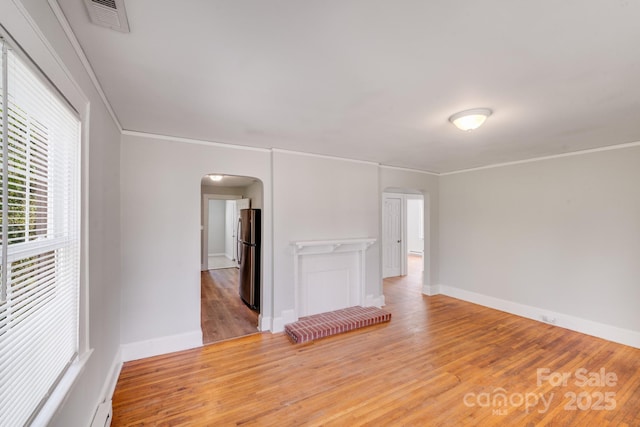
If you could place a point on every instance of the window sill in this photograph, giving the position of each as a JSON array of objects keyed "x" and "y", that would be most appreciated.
[{"x": 60, "y": 393}]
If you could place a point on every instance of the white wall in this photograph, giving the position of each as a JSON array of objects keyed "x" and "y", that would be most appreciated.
[
  {"x": 160, "y": 298},
  {"x": 217, "y": 226},
  {"x": 230, "y": 226},
  {"x": 161, "y": 252},
  {"x": 32, "y": 23},
  {"x": 560, "y": 234},
  {"x": 415, "y": 242},
  {"x": 321, "y": 198},
  {"x": 254, "y": 192},
  {"x": 222, "y": 191}
]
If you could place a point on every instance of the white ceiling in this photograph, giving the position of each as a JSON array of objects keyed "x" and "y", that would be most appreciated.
[{"x": 375, "y": 80}]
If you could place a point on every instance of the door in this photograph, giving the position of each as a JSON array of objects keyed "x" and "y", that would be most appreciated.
[{"x": 391, "y": 236}]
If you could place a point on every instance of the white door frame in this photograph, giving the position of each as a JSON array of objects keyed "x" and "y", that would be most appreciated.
[
  {"x": 204, "y": 225},
  {"x": 403, "y": 227}
]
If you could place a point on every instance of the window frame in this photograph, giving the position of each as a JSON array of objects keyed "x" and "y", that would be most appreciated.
[{"x": 58, "y": 78}]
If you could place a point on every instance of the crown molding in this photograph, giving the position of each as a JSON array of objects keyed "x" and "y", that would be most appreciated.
[
  {"x": 324, "y": 156},
  {"x": 193, "y": 141},
  {"x": 409, "y": 170},
  {"x": 64, "y": 23},
  {"x": 555, "y": 156}
]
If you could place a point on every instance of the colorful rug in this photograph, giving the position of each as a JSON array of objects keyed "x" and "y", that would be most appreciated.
[{"x": 322, "y": 325}]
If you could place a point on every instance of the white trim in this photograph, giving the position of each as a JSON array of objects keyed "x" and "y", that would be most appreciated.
[
  {"x": 193, "y": 141},
  {"x": 430, "y": 290},
  {"x": 109, "y": 386},
  {"x": 324, "y": 156},
  {"x": 409, "y": 170},
  {"x": 356, "y": 283},
  {"x": 85, "y": 285},
  {"x": 102, "y": 416},
  {"x": 585, "y": 326},
  {"x": 313, "y": 247},
  {"x": 286, "y": 317},
  {"x": 54, "y": 54},
  {"x": 61, "y": 391},
  {"x": 555, "y": 156},
  {"x": 381, "y": 166},
  {"x": 264, "y": 323},
  {"x": 374, "y": 301},
  {"x": 162, "y": 345},
  {"x": 62, "y": 20},
  {"x": 85, "y": 62}
]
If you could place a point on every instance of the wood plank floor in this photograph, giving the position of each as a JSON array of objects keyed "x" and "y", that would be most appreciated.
[
  {"x": 223, "y": 314},
  {"x": 439, "y": 362}
]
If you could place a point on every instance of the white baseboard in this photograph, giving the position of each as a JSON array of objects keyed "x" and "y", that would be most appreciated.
[
  {"x": 219, "y": 254},
  {"x": 371, "y": 301},
  {"x": 163, "y": 345},
  {"x": 585, "y": 326},
  {"x": 106, "y": 393},
  {"x": 286, "y": 316},
  {"x": 264, "y": 322},
  {"x": 61, "y": 391},
  {"x": 430, "y": 290},
  {"x": 103, "y": 415}
]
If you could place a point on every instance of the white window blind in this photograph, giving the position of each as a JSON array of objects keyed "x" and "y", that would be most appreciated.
[{"x": 40, "y": 137}]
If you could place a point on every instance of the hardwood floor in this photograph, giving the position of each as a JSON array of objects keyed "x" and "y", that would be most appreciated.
[
  {"x": 440, "y": 361},
  {"x": 223, "y": 314}
]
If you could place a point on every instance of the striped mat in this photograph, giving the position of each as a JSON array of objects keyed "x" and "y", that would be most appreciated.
[{"x": 322, "y": 325}]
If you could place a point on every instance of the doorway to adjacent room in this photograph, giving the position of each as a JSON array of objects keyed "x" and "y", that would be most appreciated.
[
  {"x": 403, "y": 234},
  {"x": 224, "y": 315}
]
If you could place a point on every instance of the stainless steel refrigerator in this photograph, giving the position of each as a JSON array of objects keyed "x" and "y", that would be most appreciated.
[{"x": 249, "y": 232}]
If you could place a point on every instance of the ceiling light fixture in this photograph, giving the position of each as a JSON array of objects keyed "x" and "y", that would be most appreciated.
[
  {"x": 470, "y": 119},
  {"x": 215, "y": 177}
]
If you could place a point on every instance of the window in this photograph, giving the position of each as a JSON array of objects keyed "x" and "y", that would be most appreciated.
[{"x": 39, "y": 272}]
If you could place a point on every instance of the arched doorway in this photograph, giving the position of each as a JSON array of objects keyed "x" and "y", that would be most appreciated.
[{"x": 226, "y": 311}]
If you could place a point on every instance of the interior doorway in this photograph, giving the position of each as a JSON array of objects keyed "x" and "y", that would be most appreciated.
[
  {"x": 224, "y": 314},
  {"x": 392, "y": 234},
  {"x": 219, "y": 232},
  {"x": 403, "y": 234},
  {"x": 220, "y": 226}
]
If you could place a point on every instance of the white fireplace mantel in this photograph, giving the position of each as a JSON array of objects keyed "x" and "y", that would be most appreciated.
[
  {"x": 309, "y": 247},
  {"x": 329, "y": 274}
]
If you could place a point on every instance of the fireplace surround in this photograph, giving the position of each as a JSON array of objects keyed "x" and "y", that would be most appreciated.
[{"x": 329, "y": 274}]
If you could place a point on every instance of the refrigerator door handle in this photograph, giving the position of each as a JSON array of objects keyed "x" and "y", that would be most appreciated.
[{"x": 238, "y": 242}]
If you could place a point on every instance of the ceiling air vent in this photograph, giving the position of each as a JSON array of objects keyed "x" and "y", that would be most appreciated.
[{"x": 108, "y": 13}]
